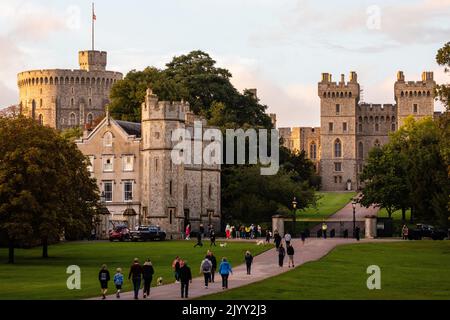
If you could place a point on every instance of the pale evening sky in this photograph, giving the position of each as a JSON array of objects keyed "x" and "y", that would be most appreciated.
[{"x": 280, "y": 47}]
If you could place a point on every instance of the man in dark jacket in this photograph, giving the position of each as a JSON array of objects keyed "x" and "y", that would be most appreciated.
[
  {"x": 210, "y": 256},
  {"x": 212, "y": 238},
  {"x": 136, "y": 276},
  {"x": 185, "y": 279},
  {"x": 199, "y": 240},
  {"x": 248, "y": 261}
]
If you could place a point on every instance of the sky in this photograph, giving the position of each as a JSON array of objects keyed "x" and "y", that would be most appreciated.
[{"x": 280, "y": 47}]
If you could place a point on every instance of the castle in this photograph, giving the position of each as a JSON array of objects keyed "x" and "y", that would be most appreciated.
[
  {"x": 134, "y": 170},
  {"x": 350, "y": 129},
  {"x": 65, "y": 99}
]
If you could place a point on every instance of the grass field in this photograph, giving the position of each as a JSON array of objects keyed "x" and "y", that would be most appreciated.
[
  {"x": 328, "y": 204},
  {"x": 409, "y": 270},
  {"x": 397, "y": 215},
  {"x": 34, "y": 278}
]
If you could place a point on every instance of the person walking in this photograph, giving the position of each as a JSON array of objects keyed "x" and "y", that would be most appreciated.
[
  {"x": 205, "y": 268},
  {"x": 147, "y": 273},
  {"x": 210, "y": 256},
  {"x": 199, "y": 240},
  {"x": 287, "y": 239},
  {"x": 324, "y": 230},
  {"x": 212, "y": 238},
  {"x": 202, "y": 230},
  {"x": 303, "y": 237},
  {"x": 188, "y": 232},
  {"x": 281, "y": 254},
  {"x": 135, "y": 275},
  {"x": 290, "y": 252},
  {"x": 228, "y": 232},
  {"x": 405, "y": 232},
  {"x": 176, "y": 268},
  {"x": 104, "y": 277},
  {"x": 118, "y": 281},
  {"x": 224, "y": 271},
  {"x": 185, "y": 279},
  {"x": 267, "y": 236},
  {"x": 277, "y": 240},
  {"x": 248, "y": 262}
]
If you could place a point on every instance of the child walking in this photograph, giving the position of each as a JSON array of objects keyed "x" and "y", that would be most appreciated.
[
  {"x": 104, "y": 277},
  {"x": 118, "y": 281}
]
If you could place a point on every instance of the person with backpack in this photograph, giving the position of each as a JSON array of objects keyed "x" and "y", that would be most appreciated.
[
  {"x": 290, "y": 252},
  {"x": 248, "y": 261},
  {"x": 205, "y": 268},
  {"x": 147, "y": 274},
  {"x": 118, "y": 281},
  {"x": 281, "y": 255},
  {"x": 104, "y": 277},
  {"x": 210, "y": 256},
  {"x": 224, "y": 271},
  {"x": 287, "y": 239},
  {"x": 135, "y": 275},
  {"x": 185, "y": 279}
]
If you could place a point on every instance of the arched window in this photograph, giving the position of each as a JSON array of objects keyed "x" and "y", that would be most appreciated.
[
  {"x": 33, "y": 109},
  {"x": 313, "y": 151},
  {"x": 377, "y": 127},
  {"x": 41, "y": 119},
  {"x": 90, "y": 119},
  {"x": 337, "y": 149},
  {"x": 360, "y": 150},
  {"x": 72, "y": 119},
  {"x": 107, "y": 139},
  {"x": 185, "y": 192},
  {"x": 210, "y": 191},
  {"x": 360, "y": 127}
]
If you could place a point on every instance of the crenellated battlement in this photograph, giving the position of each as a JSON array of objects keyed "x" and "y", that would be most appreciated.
[
  {"x": 153, "y": 109},
  {"x": 342, "y": 89}
]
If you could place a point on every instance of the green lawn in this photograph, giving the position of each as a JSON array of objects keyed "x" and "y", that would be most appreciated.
[
  {"x": 397, "y": 215},
  {"x": 328, "y": 204},
  {"x": 409, "y": 270},
  {"x": 34, "y": 278}
]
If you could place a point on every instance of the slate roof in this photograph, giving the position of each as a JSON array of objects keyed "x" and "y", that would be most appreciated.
[{"x": 132, "y": 128}]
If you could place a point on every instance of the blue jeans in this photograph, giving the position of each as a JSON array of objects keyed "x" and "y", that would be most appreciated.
[{"x": 136, "y": 287}]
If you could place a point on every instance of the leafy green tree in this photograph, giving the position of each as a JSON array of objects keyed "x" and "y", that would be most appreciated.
[
  {"x": 443, "y": 90},
  {"x": 45, "y": 188}
]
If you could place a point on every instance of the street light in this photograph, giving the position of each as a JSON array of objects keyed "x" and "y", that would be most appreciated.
[
  {"x": 354, "y": 218},
  {"x": 294, "y": 207}
]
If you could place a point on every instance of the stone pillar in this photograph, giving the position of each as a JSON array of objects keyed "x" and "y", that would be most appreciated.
[
  {"x": 278, "y": 225},
  {"x": 371, "y": 227}
]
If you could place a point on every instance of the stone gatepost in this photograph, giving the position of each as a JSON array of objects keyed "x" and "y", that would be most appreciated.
[
  {"x": 278, "y": 224},
  {"x": 371, "y": 227}
]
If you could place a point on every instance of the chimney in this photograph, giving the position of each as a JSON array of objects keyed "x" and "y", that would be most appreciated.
[
  {"x": 342, "y": 79},
  {"x": 254, "y": 93},
  {"x": 401, "y": 76},
  {"x": 353, "y": 77}
]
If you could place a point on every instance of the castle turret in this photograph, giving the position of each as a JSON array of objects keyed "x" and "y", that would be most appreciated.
[
  {"x": 414, "y": 98},
  {"x": 338, "y": 102},
  {"x": 92, "y": 60}
]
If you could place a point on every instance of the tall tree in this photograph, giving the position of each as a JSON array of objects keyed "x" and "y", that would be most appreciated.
[
  {"x": 45, "y": 188},
  {"x": 443, "y": 90}
]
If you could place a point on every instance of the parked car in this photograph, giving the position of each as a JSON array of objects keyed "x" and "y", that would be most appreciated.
[
  {"x": 145, "y": 233},
  {"x": 120, "y": 233},
  {"x": 427, "y": 231}
]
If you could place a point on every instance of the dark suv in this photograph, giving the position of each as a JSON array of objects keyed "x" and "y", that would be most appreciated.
[
  {"x": 146, "y": 233},
  {"x": 427, "y": 231}
]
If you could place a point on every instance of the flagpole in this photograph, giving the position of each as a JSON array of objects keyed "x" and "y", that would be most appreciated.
[{"x": 93, "y": 34}]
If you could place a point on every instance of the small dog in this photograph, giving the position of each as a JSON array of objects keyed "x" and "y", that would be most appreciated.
[
  {"x": 260, "y": 243},
  {"x": 159, "y": 281},
  {"x": 223, "y": 245}
]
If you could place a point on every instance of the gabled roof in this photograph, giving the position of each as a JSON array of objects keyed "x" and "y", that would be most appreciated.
[{"x": 132, "y": 128}]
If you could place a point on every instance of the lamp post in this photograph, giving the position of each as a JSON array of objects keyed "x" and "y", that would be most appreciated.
[
  {"x": 354, "y": 218},
  {"x": 294, "y": 207}
]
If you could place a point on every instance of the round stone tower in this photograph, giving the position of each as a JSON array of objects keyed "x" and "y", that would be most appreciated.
[{"x": 63, "y": 99}]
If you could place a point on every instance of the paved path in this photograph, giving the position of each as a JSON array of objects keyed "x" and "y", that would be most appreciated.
[{"x": 265, "y": 265}]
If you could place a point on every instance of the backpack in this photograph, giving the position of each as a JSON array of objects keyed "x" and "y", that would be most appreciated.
[{"x": 206, "y": 267}]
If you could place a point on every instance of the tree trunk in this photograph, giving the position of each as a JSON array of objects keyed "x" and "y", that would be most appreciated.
[
  {"x": 45, "y": 248},
  {"x": 11, "y": 251},
  {"x": 403, "y": 215}
]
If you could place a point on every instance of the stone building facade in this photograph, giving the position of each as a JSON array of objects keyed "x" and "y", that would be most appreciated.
[
  {"x": 64, "y": 99},
  {"x": 134, "y": 170},
  {"x": 350, "y": 129}
]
